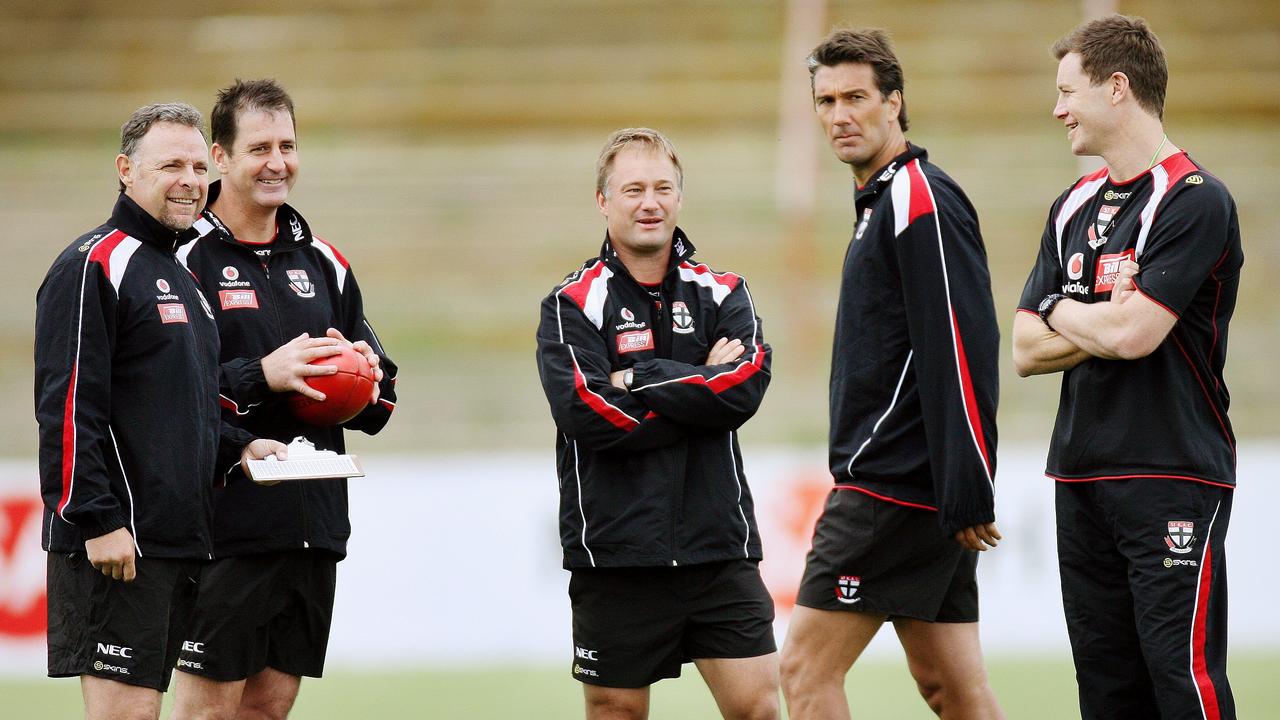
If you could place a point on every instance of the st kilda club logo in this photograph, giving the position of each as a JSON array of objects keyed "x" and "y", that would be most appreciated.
[
  {"x": 847, "y": 588},
  {"x": 1181, "y": 536}
]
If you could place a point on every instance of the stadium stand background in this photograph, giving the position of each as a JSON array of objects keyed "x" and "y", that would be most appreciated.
[{"x": 447, "y": 149}]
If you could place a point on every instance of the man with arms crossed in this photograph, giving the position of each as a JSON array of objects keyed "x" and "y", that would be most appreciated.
[
  {"x": 1130, "y": 298},
  {"x": 914, "y": 385},
  {"x": 650, "y": 363},
  {"x": 265, "y": 604},
  {"x": 130, "y": 431}
]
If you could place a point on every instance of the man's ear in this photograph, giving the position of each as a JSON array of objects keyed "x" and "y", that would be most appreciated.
[{"x": 123, "y": 167}]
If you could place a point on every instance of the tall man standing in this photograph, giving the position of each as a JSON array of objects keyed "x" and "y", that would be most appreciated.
[
  {"x": 914, "y": 386},
  {"x": 282, "y": 297},
  {"x": 650, "y": 363},
  {"x": 130, "y": 432},
  {"x": 1130, "y": 298}
]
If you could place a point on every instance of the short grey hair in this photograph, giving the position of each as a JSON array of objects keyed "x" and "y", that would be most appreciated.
[
  {"x": 142, "y": 119},
  {"x": 646, "y": 138}
]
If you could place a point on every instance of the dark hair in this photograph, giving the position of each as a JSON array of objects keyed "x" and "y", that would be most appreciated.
[
  {"x": 1119, "y": 43},
  {"x": 869, "y": 46},
  {"x": 241, "y": 96},
  {"x": 142, "y": 120}
]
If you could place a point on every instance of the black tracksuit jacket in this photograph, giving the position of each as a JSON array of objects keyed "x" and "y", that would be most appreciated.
[
  {"x": 306, "y": 286},
  {"x": 126, "y": 393},
  {"x": 914, "y": 365},
  {"x": 653, "y": 476}
]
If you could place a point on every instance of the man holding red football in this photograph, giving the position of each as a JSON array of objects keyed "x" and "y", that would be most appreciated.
[{"x": 282, "y": 298}]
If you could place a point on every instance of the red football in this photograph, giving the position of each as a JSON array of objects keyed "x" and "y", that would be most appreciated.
[{"x": 347, "y": 391}]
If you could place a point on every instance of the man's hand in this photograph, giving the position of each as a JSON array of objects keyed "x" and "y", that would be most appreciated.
[
  {"x": 1124, "y": 286},
  {"x": 286, "y": 368},
  {"x": 616, "y": 379},
  {"x": 113, "y": 555},
  {"x": 979, "y": 537},
  {"x": 725, "y": 351},
  {"x": 370, "y": 356},
  {"x": 261, "y": 449}
]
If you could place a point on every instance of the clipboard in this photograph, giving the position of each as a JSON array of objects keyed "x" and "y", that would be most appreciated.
[{"x": 304, "y": 463}]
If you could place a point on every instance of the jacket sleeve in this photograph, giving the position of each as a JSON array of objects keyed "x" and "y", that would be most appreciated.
[
  {"x": 717, "y": 396},
  {"x": 242, "y": 388},
  {"x": 231, "y": 442},
  {"x": 354, "y": 327},
  {"x": 955, "y": 344},
  {"x": 573, "y": 363},
  {"x": 75, "y": 338}
]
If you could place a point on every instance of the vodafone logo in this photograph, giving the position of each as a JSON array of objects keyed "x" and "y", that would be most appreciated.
[
  {"x": 162, "y": 285},
  {"x": 22, "y": 568},
  {"x": 230, "y": 273},
  {"x": 1075, "y": 266}
]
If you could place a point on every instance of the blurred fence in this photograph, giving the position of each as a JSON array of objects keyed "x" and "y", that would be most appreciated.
[{"x": 455, "y": 560}]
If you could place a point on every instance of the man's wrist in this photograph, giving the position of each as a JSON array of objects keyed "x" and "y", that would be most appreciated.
[
  {"x": 1046, "y": 307},
  {"x": 628, "y": 377}
]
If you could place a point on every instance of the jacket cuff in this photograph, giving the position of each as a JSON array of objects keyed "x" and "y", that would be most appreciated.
[
  {"x": 246, "y": 381},
  {"x": 100, "y": 524},
  {"x": 955, "y": 521}
]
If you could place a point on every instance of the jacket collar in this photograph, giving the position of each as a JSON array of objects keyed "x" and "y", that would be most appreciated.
[
  {"x": 130, "y": 218},
  {"x": 885, "y": 174},
  {"x": 681, "y": 249},
  {"x": 291, "y": 229}
]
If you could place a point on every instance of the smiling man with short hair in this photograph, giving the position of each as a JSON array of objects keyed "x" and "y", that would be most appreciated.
[{"x": 650, "y": 363}]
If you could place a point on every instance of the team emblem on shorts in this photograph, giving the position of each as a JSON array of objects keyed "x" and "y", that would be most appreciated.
[
  {"x": 847, "y": 587},
  {"x": 1181, "y": 535},
  {"x": 300, "y": 283},
  {"x": 681, "y": 318}
]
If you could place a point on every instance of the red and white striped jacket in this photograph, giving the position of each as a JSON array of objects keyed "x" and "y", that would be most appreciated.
[
  {"x": 652, "y": 476},
  {"x": 914, "y": 365},
  {"x": 126, "y": 385}
]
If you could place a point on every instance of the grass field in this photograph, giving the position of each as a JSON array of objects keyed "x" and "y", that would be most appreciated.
[{"x": 1027, "y": 688}]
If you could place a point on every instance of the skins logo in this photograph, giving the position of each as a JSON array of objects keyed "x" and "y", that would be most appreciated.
[
  {"x": 846, "y": 587},
  {"x": 236, "y": 299},
  {"x": 1109, "y": 270},
  {"x": 300, "y": 283},
  {"x": 681, "y": 318},
  {"x": 1181, "y": 536},
  {"x": 1075, "y": 266},
  {"x": 172, "y": 313},
  {"x": 635, "y": 341},
  {"x": 23, "y": 603}
]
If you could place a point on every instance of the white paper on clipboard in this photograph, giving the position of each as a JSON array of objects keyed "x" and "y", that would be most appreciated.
[{"x": 304, "y": 463}]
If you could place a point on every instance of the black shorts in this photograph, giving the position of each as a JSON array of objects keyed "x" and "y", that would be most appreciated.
[
  {"x": 258, "y": 611},
  {"x": 874, "y": 556},
  {"x": 635, "y": 626},
  {"x": 129, "y": 632},
  {"x": 1144, "y": 587}
]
